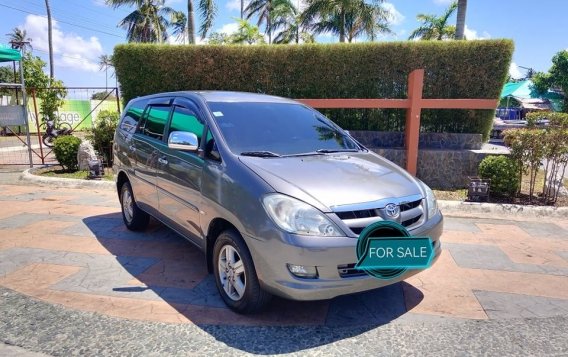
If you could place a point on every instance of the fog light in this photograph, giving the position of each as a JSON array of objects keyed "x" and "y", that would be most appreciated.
[{"x": 302, "y": 271}]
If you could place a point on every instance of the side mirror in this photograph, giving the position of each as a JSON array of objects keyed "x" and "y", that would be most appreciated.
[{"x": 183, "y": 140}]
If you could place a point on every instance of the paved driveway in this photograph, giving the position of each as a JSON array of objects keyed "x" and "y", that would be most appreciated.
[{"x": 66, "y": 261}]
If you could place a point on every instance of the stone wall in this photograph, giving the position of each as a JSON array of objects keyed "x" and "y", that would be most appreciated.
[
  {"x": 445, "y": 160},
  {"x": 392, "y": 139},
  {"x": 444, "y": 169}
]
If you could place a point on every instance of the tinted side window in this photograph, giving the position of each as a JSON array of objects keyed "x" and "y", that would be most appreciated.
[
  {"x": 155, "y": 122},
  {"x": 132, "y": 116},
  {"x": 184, "y": 119}
]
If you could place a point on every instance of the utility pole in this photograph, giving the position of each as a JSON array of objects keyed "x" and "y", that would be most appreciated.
[{"x": 50, "y": 40}]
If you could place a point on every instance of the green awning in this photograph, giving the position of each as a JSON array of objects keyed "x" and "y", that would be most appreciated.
[{"x": 7, "y": 54}]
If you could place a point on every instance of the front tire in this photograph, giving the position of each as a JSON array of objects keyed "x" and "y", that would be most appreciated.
[
  {"x": 134, "y": 218},
  {"x": 235, "y": 275}
]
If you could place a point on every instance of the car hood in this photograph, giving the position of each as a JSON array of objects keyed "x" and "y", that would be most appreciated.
[{"x": 332, "y": 180}]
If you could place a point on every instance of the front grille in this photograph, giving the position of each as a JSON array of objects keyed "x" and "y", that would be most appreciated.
[
  {"x": 411, "y": 221},
  {"x": 365, "y": 213},
  {"x": 409, "y": 205},
  {"x": 411, "y": 215}
]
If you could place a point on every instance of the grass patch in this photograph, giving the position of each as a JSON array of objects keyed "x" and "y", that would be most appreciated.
[
  {"x": 459, "y": 194},
  {"x": 80, "y": 174}
]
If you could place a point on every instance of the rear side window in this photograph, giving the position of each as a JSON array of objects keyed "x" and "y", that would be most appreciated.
[
  {"x": 155, "y": 122},
  {"x": 132, "y": 116}
]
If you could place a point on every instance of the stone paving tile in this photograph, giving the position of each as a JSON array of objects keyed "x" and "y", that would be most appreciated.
[
  {"x": 24, "y": 219},
  {"x": 504, "y": 305},
  {"x": 544, "y": 230},
  {"x": 69, "y": 247},
  {"x": 492, "y": 258},
  {"x": 94, "y": 201}
]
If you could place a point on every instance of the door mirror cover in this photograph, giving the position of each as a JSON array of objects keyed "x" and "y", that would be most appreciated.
[{"x": 183, "y": 140}]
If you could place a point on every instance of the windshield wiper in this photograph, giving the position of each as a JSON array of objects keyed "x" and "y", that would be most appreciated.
[
  {"x": 260, "y": 153},
  {"x": 330, "y": 151}
]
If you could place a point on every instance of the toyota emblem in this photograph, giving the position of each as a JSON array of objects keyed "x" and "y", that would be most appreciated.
[{"x": 392, "y": 210}]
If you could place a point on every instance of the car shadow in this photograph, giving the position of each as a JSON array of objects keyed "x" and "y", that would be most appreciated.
[{"x": 160, "y": 265}]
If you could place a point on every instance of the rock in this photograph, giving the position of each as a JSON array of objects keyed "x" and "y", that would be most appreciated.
[{"x": 85, "y": 153}]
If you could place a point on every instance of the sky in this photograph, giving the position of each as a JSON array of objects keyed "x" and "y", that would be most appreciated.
[{"x": 86, "y": 29}]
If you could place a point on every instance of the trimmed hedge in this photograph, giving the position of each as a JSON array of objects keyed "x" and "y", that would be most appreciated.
[{"x": 454, "y": 69}]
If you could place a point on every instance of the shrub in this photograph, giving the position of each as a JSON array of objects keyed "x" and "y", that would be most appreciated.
[
  {"x": 549, "y": 144},
  {"x": 453, "y": 69},
  {"x": 102, "y": 134},
  {"x": 503, "y": 173},
  {"x": 65, "y": 149}
]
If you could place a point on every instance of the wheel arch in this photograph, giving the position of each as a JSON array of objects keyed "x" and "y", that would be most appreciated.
[
  {"x": 216, "y": 226},
  {"x": 120, "y": 180}
]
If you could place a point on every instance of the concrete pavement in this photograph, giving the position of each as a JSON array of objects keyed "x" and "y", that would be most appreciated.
[{"x": 74, "y": 280}]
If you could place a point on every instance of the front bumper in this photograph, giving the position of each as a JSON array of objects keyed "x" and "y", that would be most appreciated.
[{"x": 326, "y": 254}]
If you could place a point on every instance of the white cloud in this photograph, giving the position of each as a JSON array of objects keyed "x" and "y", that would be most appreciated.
[
  {"x": 234, "y": 5},
  {"x": 471, "y": 34},
  {"x": 70, "y": 50},
  {"x": 229, "y": 29},
  {"x": 443, "y": 2},
  {"x": 396, "y": 17},
  {"x": 515, "y": 71},
  {"x": 100, "y": 3}
]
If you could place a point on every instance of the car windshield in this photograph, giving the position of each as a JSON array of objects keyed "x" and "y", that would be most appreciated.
[{"x": 278, "y": 129}]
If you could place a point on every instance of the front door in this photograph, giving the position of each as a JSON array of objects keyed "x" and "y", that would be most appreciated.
[{"x": 179, "y": 174}]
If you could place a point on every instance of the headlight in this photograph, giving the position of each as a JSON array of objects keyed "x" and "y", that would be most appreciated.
[
  {"x": 431, "y": 203},
  {"x": 297, "y": 217}
]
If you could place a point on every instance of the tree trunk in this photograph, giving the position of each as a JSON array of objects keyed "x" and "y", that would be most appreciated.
[
  {"x": 190, "y": 23},
  {"x": 49, "y": 39},
  {"x": 460, "y": 23},
  {"x": 269, "y": 27},
  {"x": 342, "y": 27},
  {"x": 242, "y": 8}
]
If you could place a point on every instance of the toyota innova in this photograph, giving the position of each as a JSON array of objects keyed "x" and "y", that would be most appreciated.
[{"x": 274, "y": 193}]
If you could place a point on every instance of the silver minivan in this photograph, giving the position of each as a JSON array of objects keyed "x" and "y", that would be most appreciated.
[{"x": 273, "y": 192}]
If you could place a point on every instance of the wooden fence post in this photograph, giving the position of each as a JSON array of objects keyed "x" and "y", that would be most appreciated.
[{"x": 412, "y": 127}]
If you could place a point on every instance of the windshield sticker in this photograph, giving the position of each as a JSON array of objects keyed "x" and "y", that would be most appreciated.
[{"x": 218, "y": 114}]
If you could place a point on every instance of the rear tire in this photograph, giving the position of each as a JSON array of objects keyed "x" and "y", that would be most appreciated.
[
  {"x": 65, "y": 128},
  {"x": 235, "y": 275},
  {"x": 48, "y": 140},
  {"x": 134, "y": 218}
]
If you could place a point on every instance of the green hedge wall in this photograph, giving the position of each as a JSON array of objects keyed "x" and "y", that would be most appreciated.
[{"x": 453, "y": 69}]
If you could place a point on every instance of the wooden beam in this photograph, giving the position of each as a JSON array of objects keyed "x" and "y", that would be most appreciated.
[{"x": 412, "y": 127}]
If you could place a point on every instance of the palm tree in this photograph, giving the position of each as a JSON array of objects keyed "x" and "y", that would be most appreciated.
[
  {"x": 49, "y": 39},
  {"x": 179, "y": 24},
  {"x": 347, "y": 18},
  {"x": 287, "y": 19},
  {"x": 435, "y": 27},
  {"x": 460, "y": 23},
  {"x": 247, "y": 33},
  {"x": 208, "y": 10},
  {"x": 105, "y": 61},
  {"x": 19, "y": 39},
  {"x": 263, "y": 9},
  {"x": 148, "y": 22},
  {"x": 190, "y": 23}
]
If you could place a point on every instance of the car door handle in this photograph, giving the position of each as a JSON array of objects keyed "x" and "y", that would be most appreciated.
[{"x": 163, "y": 160}]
